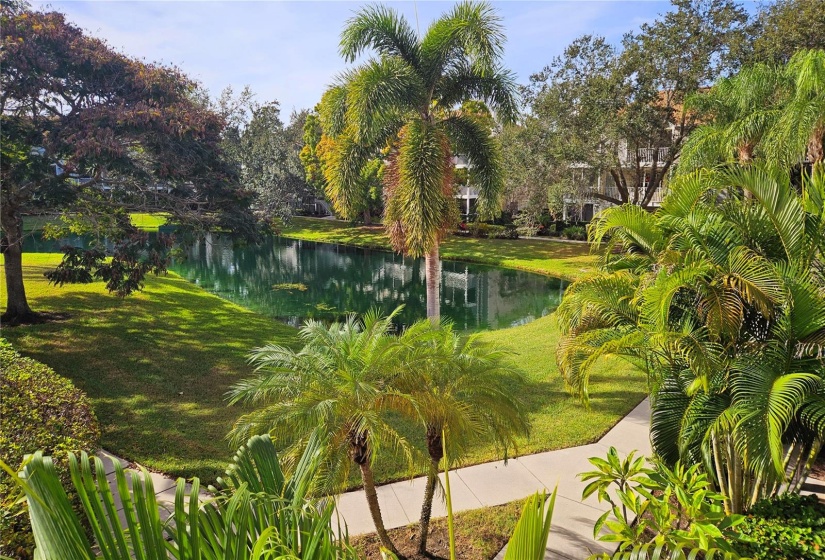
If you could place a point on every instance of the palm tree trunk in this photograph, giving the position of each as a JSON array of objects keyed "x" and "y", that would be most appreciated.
[
  {"x": 432, "y": 267},
  {"x": 375, "y": 508},
  {"x": 427, "y": 507}
]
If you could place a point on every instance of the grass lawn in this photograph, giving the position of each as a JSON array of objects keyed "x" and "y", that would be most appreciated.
[
  {"x": 479, "y": 533},
  {"x": 545, "y": 256},
  {"x": 157, "y": 365},
  {"x": 146, "y": 222}
]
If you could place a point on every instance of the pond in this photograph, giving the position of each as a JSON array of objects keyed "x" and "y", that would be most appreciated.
[{"x": 293, "y": 280}]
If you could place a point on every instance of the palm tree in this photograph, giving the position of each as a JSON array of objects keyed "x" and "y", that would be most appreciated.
[
  {"x": 767, "y": 113},
  {"x": 464, "y": 388},
  {"x": 406, "y": 101},
  {"x": 339, "y": 383},
  {"x": 718, "y": 298},
  {"x": 800, "y": 132},
  {"x": 259, "y": 512},
  {"x": 738, "y": 112}
]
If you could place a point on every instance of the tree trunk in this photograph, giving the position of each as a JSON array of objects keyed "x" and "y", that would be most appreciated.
[
  {"x": 17, "y": 306},
  {"x": 375, "y": 508},
  {"x": 367, "y": 217},
  {"x": 432, "y": 267},
  {"x": 427, "y": 508}
]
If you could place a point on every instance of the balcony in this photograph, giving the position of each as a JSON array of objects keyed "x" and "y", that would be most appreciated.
[{"x": 645, "y": 156}]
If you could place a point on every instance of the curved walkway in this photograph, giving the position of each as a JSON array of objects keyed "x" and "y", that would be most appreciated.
[
  {"x": 491, "y": 484},
  {"x": 488, "y": 484}
]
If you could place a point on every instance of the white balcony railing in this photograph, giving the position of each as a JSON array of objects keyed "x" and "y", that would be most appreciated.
[{"x": 646, "y": 155}]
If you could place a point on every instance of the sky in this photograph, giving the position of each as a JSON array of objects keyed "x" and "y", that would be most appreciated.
[{"x": 288, "y": 50}]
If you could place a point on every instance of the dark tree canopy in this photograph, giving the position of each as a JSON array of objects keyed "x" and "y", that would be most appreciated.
[
  {"x": 787, "y": 26},
  {"x": 91, "y": 134}
]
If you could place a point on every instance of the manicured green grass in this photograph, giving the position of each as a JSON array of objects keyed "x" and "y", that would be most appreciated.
[
  {"x": 545, "y": 256},
  {"x": 146, "y": 222},
  {"x": 157, "y": 365}
]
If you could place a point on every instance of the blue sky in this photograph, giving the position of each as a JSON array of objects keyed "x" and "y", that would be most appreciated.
[{"x": 289, "y": 50}]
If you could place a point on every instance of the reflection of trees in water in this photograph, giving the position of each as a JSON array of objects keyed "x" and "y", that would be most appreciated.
[{"x": 341, "y": 279}]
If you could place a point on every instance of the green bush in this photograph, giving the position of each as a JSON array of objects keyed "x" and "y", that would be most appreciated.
[
  {"x": 785, "y": 528},
  {"x": 39, "y": 410},
  {"x": 578, "y": 233},
  {"x": 479, "y": 229}
]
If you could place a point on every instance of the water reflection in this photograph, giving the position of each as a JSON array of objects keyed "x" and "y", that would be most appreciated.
[{"x": 293, "y": 280}]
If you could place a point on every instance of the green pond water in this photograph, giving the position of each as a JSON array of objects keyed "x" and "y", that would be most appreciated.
[{"x": 293, "y": 280}]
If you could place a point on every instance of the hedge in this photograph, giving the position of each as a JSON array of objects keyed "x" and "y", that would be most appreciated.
[
  {"x": 788, "y": 527},
  {"x": 39, "y": 410}
]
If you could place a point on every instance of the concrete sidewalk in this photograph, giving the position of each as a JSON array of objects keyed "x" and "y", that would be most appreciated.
[{"x": 491, "y": 484}]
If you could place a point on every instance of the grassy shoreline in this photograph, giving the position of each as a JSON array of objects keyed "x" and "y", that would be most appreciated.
[{"x": 542, "y": 256}]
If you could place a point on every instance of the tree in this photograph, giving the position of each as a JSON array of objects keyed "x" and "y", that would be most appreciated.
[
  {"x": 718, "y": 298},
  {"x": 309, "y": 156},
  {"x": 338, "y": 384},
  {"x": 88, "y": 134},
  {"x": 608, "y": 109},
  {"x": 784, "y": 27},
  {"x": 466, "y": 389},
  {"x": 265, "y": 152},
  {"x": 408, "y": 99}
]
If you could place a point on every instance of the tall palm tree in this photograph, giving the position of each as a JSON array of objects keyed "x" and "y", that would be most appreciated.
[
  {"x": 406, "y": 100},
  {"x": 464, "y": 388},
  {"x": 338, "y": 384},
  {"x": 718, "y": 298}
]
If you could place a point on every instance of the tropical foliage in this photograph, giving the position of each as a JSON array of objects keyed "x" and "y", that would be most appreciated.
[
  {"x": 717, "y": 297},
  {"x": 658, "y": 510},
  {"x": 774, "y": 114},
  {"x": 258, "y": 513},
  {"x": 465, "y": 389},
  {"x": 407, "y": 100}
]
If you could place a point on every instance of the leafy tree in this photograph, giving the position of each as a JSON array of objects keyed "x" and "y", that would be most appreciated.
[
  {"x": 408, "y": 99},
  {"x": 309, "y": 152},
  {"x": 464, "y": 388},
  {"x": 265, "y": 152},
  {"x": 339, "y": 385},
  {"x": 784, "y": 27},
  {"x": 718, "y": 298},
  {"x": 88, "y": 134},
  {"x": 603, "y": 107}
]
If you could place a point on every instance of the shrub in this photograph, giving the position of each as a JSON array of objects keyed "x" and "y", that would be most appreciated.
[
  {"x": 578, "y": 233},
  {"x": 479, "y": 229},
  {"x": 789, "y": 526},
  {"x": 39, "y": 410}
]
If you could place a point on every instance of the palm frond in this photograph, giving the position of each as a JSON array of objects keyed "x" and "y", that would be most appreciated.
[{"x": 382, "y": 29}]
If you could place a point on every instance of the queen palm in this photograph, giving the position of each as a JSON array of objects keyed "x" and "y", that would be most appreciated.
[
  {"x": 464, "y": 388},
  {"x": 717, "y": 297},
  {"x": 406, "y": 101},
  {"x": 338, "y": 384}
]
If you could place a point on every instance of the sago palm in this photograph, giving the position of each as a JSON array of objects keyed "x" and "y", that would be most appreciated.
[
  {"x": 718, "y": 298},
  {"x": 466, "y": 389},
  {"x": 406, "y": 101},
  {"x": 338, "y": 384}
]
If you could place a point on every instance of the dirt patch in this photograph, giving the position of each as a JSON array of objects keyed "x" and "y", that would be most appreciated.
[{"x": 480, "y": 535}]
